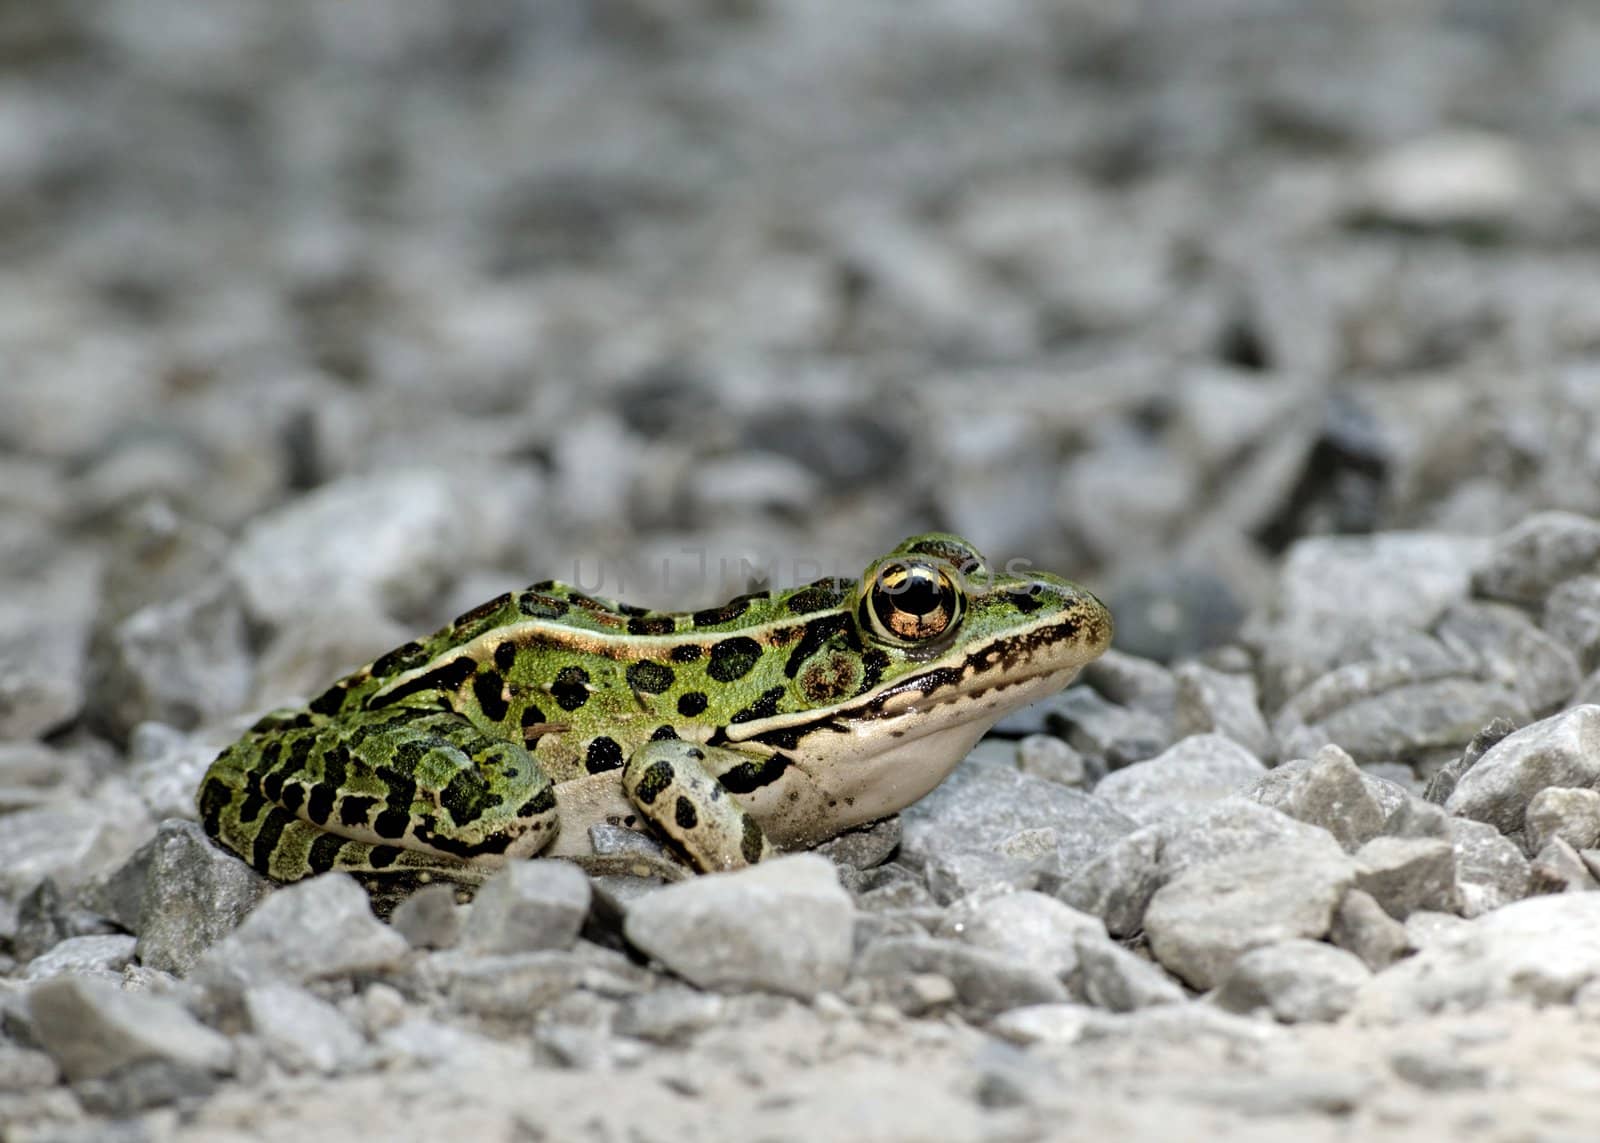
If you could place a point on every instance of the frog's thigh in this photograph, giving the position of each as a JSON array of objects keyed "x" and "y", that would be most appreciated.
[{"x": 674, "y": 786}]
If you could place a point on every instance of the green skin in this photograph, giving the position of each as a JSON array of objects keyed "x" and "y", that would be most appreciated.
[{"x": 774, "y": 721}]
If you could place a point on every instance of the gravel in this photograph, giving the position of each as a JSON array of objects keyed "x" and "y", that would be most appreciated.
[{"x": 1209, "y": 306}]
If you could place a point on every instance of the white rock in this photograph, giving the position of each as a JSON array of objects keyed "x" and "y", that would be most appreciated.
[
  {"x": 1298, "y": 981},
  {"x": 528, "y": 905},
  {"x": 1563, "y": 750},
  {"x": 302, "y": 1032},
  {"x": 92, "y": 1028},
  {"x": 1026, "y": 926},
  {"x": 784, "y": 925},
  {"x": 1113, "y": 978},
  {"x": 1200, "y": 769}
]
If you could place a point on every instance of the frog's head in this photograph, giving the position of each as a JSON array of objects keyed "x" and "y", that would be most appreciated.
[{"x": 949, "y": 646}]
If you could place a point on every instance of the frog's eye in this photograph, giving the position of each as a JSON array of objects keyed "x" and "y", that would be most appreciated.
[{"x": 910, "y": 601}]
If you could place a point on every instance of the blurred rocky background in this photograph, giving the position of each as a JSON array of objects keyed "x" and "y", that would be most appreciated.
[{"x": 1277, "y": 322}]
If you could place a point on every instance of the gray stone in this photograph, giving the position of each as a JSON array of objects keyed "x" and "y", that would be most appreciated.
[
  {"x": 1042, "y": 1024},
  {"x": 512, "y": 987},
  {"x": 1117, "y": 885},
  {"x": 1199, "y": 923},
  {"x": 1443, "y": 782},
  {"x": 1563, "y": 750},
  {"x": 1436, "y": 1070},
  {"x": 72, "y": 841},
  {"x": 1404, "y": 874},
  {"x": 23, "y": 1069},
  {"x": 1417, "y": 721},
  {"x": 1119, "y": 734},
  {"x": 43, "y": 920},
  {"x": 1530, "y": 559},
  {"x": 92, "y": 1028},
  {"x": 670, "y": 1015},
  {"x": 1424, "y": 930},
  {"x": 1490, "y": 870},
  {"x": 1541, "y": 950},
  {"x": 527, "y": 906},
  {"x": 1414, "y": 817},
  {"x": 182, "y": 661},
  {"x": 784, "y": 925},
  {"x": 42, "y": 681},
  {"x": 1028, "y": 927},
  {"x": 1128, "y": 680},
  {"x": 105, "y": 955},
  {"x": 1459, "y": 179},
  {"x": 1298, "y": 981},
  {"x": 1571, "y": 814},
  {"x": 988, "y": 826},
  {"x": 321, "y": 927},
  {"x": 1113, "y": 978},
  {"x": 166, "y": 764},
  {"x": 1558, "y": 868},
  {"x": 395, "y": 537},
  {"x": 986, "y": 983},
  {"x": 430, "y": 918},
  {"x": 118, "y": 895},
  {"x": 1330, "y": 792},
  {"x": 865, "y": 846},
  {"x": 194, "y": 895},
  {"x": 1360, "y": 926},
  {"x": 1046, "y": 756},
  {"x": 1336, "y": 593},
  {"x": 1189, "y": 775},
  {"x": 1211, "y": 701},
  {"x": 1572, "y": 618},
  {"x": 301, "y": 1032},
  {"x": 1503, "y": 645}
]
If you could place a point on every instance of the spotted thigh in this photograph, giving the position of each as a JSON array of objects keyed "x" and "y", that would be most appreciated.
[
  {"x": 390, "y": 790},
  {"x": 675, "y": 786}
]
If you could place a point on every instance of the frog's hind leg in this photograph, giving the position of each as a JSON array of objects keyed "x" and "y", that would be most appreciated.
[
  {"x": 675, "y": 786},
  {"x": 407, "y": 794}
]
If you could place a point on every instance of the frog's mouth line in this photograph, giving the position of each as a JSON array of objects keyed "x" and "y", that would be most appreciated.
[{"x": 969, "y": 681}]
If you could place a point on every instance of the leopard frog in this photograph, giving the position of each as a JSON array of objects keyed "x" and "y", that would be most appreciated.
[{"x": 772, "y": 722}]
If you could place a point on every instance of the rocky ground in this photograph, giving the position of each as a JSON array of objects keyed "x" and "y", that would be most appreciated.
[{"x": 1276, "y": 321}]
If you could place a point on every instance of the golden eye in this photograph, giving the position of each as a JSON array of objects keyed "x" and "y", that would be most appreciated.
[{"x": 908, "y": 601}]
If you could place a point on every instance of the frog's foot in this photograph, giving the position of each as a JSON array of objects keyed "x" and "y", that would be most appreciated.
[
  {"x": 411, "y": 794},
  {"x": 675, "y": 786}
]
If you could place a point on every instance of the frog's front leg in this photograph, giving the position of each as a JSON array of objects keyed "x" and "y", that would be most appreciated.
[
  {"x": 419, "y": 793},
  {"x": 677, "y": 787}
]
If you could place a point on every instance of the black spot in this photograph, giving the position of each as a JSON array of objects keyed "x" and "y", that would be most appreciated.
[
  {"x": 392, "y": 823},
  {"x": 541, "y": 606},
  {"x": 324, "y": 852},
  {"x": 651, "y": 625},
  {"x": 299, "y": 754},
  {"x": 569, "y": 689},
  {"x": 214, "y": 798},
  {"x": 651, "y": 678},
  {"x": 490, "y": 691},
  {"x": 467, "y": 797},
  {"x": 603, "y": 754},
  {"x": 817, "y": 634},
  {"x": 383, "y": 856},
  {"x": 252, "y": 805},
  {"x": 693, "y": 704},
  {"x": 1024, "y": 601},
  {"x": 750, "y": 843},
  {"x": 683, "y": 813},
  {"x": 754, "y": 774},
  {"x": 532, "y": 716},
  {"x": 873, "y": 664},
  {"x": 294, "y": 795},
  {"x": 541, "y": 803},
  {"x": 406, "y": 657},
  {"x": 727, "y": 613},
  {"x": 356, "y": 809},
  {"x": 687, "y": 652},
  {"x": 505, "y": 656},
  {"x": 814, "y": 597},
  {"x": 320, "y": 802},
  {"x": 764, "y": 707},
  {"x": 335, "y": 766},
  {"x": 733, "y": 658},
  {"x": 272, "y": 786},
  {"x": 664, "y": 733},
  {"x": 656, "y": 777},
  {"x": 272, "y": 828},
  {"x": 445, "y": 678},
  {"x": 329, "y": 701},
  {"x": 483, "y": 611}
]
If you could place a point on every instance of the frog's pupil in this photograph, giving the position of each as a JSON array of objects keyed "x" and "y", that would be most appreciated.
[{"x": 922, "y": 593}]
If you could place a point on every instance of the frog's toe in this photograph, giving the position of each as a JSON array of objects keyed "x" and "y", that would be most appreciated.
[{"x": 673, "y": 785}]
